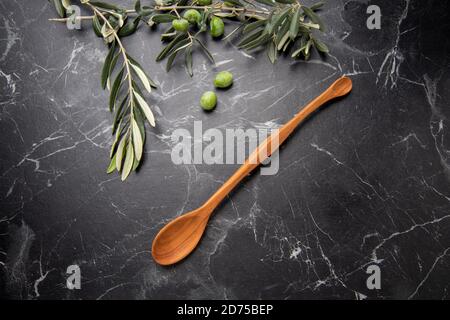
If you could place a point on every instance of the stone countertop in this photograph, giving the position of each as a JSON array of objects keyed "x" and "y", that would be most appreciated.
[{"x": 365, "y": 182}]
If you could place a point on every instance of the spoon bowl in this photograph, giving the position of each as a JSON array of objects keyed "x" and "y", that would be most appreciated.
[
  {"x": 341, "y": 87},
  {"x": 180, "y": 237}
]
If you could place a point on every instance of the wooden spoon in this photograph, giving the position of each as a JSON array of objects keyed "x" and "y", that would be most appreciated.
[{"x": 179, "y": 237}]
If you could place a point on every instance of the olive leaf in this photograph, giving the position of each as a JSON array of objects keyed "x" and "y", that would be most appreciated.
[
  {"x": 253, "y": 26},
  {"x": 169, "y": 34},
  {"x": 249, "y": 38},
  {"x": 322, "y": 47},
  {"x": 257, "y": 41},
  {"x": 97, "y": 26},
  {"x": 142, "y": 76},
  {"x": 118, "y": 117},
  {"x": 137, "y": 139},
  {"x": 115, "y": 89},
  {"x": 120, "y": 153},
  {"x": 129, "y": 160},
  {"x": 59, "y": 8},
  {"x": 137, "y": 6},
  {"x": 163, "y": 18},
  {"x": 205, "y": 50},
  {"x": 277, "y": 19},
  {"x": 205, "y": 15},
  {"x": 66, "y": 4},
  {"x": 233, "y": 32},
  {"x": 317, "y": 5},
  {"x": 314, "y": 17},
  {"x": 171, "y": 44},
  {"x": 107, "y": 65},
  {"x": 112, "y": 165},
  {"x": 170, "y": 60},
  {"x": 283, "y": 32},
  {"x": 146, "y": 80},
  {"x": 129, "y": 28},
  {"x": 176, "y": 49},
  {"x": 142, "y": 11},
  {"x": 188, "y": 61},
  {"x": 272, "y": 52},
  {"x": 293, "y": 28},
  {"x": 145, "y": 108},
  {"x": 286, "y": 1}
]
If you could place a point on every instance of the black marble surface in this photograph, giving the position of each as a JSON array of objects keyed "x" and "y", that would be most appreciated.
[{"x": 366, "y": 181}]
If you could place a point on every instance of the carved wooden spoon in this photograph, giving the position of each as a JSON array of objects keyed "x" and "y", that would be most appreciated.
[{"x": 179, "y": 237}]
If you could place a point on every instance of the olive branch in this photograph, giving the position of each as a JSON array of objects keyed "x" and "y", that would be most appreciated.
[
  {"x": 278, "y": 26},
  {"x": 127, "y": 148}
]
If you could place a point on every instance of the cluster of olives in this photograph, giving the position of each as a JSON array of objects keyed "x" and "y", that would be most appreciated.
[
  {"x": 223, "y": 80},
  {"x": 192, "y": 16}
]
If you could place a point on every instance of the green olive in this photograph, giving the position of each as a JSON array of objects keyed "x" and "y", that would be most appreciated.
[
  {"x": 192, "y": 15},
  {"x": 208, "y": 100},
  {"x": 204, "y": 2},
  {"x": 223, "y": 79},
  {"x": 181, "y": 25},
  {"x": 228, "y": 4},
  {"x": 216, "y": 27}
]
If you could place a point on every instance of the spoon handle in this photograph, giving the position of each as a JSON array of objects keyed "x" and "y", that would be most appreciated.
[{"x": 267, "y": 147}]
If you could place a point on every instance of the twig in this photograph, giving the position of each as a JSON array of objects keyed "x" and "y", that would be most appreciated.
[
  {"x": 71, "y": 18},
  {"x": 219, "y": 8}
]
